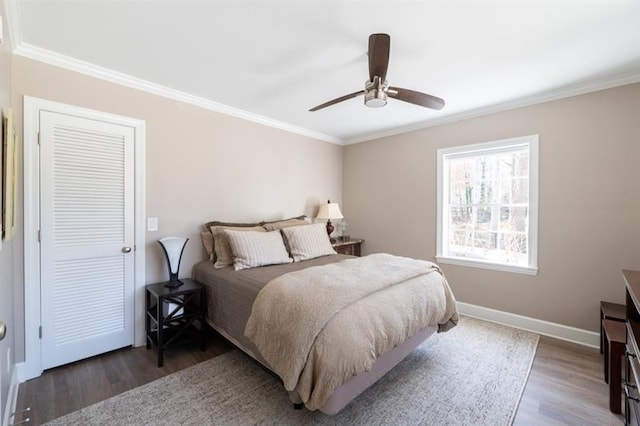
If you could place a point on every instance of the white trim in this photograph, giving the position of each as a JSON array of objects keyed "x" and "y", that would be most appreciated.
[
  {"x": 474, "y": 263},
  {"x": 531, "y": 142},
  {"x": 32, "y": 106},
  {"x": 551, "y": 95},
  {"x": 494, "y": 146},
  {"x": 12, "y": 396},
  {"x": 14, "y": 23},
  {"x": 534, "y": 179},
  {"x": 33, "y": 359},
  {"x": 67, "y": 62},
  {"x": 139, "y": 334},
  {"x": 21, "y": 372},
  {"x": 545, "y": 328}
]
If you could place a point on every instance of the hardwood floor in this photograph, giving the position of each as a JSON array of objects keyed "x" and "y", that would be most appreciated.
[
  {"x": 68, "y": 388},
  {"x": 565, "y": 387}
]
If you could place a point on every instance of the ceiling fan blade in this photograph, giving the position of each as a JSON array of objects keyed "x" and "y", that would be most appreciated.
[
  {"x": 337, "y": 100},
  {"x": 379, "y": 45},
  {"x": 416, "y": 98}
]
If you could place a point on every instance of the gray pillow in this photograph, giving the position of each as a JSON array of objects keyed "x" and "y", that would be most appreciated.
[
  {"x": 207, "y": 242},
  {"x": 231, "y": 224},
  {"x": 283, "y": 223}
]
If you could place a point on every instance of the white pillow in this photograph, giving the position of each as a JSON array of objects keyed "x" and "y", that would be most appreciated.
[
  {"x": 308, "y": 241},
  {"x": 252, "y": 248},
  {"x": 222, "y": 250}
]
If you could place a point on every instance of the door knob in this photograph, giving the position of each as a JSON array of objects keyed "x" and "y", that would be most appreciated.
[
  {"x": 3, "y": 330},
  {"x": 126, "y": 249}
]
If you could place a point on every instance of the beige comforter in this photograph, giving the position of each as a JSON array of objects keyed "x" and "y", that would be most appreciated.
[{"x": 320, "y": 326}]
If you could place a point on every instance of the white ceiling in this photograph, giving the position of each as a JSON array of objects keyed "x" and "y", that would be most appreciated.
[{"x": 275, "y": 60}]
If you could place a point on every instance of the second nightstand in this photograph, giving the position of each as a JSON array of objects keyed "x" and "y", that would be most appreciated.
[{"x": 350, "y": 246}]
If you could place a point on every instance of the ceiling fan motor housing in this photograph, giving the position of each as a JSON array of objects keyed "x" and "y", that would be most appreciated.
[{"x": 375, "y": 93}]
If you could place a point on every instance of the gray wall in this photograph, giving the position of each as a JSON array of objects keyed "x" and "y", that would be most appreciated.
[
  {"x": 589, "y": 202},
  {"x": 200, "y": 165}
]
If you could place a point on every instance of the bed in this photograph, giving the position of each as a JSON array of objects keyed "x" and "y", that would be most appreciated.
[{"x": 240, "y": 306}]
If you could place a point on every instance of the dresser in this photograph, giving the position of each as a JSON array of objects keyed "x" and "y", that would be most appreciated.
[{"x": 632, "y": 396}]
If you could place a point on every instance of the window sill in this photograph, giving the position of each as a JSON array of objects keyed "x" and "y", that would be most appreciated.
[{"x": 527, "y": 270}]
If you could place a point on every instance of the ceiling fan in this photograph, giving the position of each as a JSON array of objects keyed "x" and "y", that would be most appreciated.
[{"x": 376, "y": 89}]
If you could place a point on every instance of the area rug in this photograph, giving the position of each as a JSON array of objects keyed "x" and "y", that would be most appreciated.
[{"x": 471, "y": 375}]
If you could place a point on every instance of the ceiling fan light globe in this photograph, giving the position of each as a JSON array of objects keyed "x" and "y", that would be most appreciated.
[
  {"x": 375, "y": 103},
  {"x": 375, "y": 98}
]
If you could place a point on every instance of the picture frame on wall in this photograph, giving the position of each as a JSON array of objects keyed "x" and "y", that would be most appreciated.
[{"x": 9, "y": 176}]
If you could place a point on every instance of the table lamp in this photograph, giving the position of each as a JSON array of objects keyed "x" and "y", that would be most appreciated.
[
  {"x": 329, "y": 211},
  {"x": 173, "y": 247}
]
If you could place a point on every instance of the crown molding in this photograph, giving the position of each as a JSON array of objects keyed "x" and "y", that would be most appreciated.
[
  {"x": 82, "y": 67},
  {"x": 564, "y": 92},
  {"x": 13, "y": 23},
  {"x": 63, "y": 61}
]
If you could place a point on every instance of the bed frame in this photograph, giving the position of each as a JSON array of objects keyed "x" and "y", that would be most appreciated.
[{"x": 345, "y": 393}]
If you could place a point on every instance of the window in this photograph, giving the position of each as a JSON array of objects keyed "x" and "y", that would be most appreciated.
[{"x": 488, "y": 205}]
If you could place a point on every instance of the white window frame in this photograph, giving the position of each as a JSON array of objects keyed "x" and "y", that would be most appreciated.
[{"x": 442, "y": 202}]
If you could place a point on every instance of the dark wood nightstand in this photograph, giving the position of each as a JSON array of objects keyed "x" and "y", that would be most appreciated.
[
  {"x": 173, "y": 315},
  {"x": 350, "y": 246}
]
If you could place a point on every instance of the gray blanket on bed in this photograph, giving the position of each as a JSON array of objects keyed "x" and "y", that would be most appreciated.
[{"x": 320, "y": 326}]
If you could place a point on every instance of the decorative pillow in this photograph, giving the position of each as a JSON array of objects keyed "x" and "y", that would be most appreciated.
[
  {"x": 251, "y": 249},
  {"x": 230, "y": 224},
  {"x": 308, "y": 241},
  {"x": 221, "y": 247},
  {"x": 285, "y": 223},
  {"x": 207, "y": 242}
]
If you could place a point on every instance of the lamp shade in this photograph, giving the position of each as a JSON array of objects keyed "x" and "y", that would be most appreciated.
[
  {"x": 173, "y": 248},
  {"x": 329, "y": 211}
]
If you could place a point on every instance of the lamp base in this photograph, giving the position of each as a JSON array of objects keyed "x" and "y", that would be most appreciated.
[
  {"x": 173, "y": 284},
  {"x": 330, "y": 229}
]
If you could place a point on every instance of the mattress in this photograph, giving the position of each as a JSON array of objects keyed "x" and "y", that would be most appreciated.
[{"x": 230, "y": 294}]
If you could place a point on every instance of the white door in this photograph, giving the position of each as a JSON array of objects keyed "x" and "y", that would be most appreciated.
[{"x": 87, "y": 237}]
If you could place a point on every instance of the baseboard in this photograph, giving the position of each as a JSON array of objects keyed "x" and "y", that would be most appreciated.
[
  {"x": 12, "y": 398},
  {"x": 22, "y": 372},
  {"x": 546, "y": 328}
]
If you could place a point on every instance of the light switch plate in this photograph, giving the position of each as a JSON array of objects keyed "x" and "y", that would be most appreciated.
[{"x": 152, "y": 224}]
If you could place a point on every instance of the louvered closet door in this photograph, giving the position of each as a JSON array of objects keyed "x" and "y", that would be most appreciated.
[{"x": 87, "y": 226}]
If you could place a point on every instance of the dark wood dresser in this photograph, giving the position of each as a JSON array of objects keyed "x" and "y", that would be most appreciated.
[{"x": 632, "y": 395}]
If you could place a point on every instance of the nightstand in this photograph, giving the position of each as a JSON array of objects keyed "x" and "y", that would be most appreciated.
[
  {"x": 350, "y": 246},
  {"x": 174, "y": 315}
]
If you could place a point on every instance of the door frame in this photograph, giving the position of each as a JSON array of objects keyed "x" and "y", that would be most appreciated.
[{"x": 32, "y": 295}]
